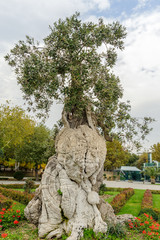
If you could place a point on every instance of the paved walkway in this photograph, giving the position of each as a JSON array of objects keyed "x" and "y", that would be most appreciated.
[
  {"x": 135, "y": 185},
  {"x": 15, "y": 182}
]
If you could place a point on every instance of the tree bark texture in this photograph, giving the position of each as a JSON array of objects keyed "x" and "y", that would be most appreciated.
[{"x": 67, "y": 199}]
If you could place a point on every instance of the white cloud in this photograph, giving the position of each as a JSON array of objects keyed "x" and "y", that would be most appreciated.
[{"x": 141, "y": 3}]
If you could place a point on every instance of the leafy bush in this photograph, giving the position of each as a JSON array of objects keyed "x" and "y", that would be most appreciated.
[
  {"x": 147, "y": 226},
  {"x": 5, "y": 202},
  {"x": 116, "y": 229},
  {"x": 17, "y": 186},
  {"x": 119, "y": 200},
  {"x": 29, "y": 185},
  {"x": 147, "y": 201},
  {"x": 89, "y": 234},
  {"x": 10, "y": 217},
  {"x": 18, "y": 175},
  {"x": 18, "y": 196},
  {"x": 150, "y": 212}
]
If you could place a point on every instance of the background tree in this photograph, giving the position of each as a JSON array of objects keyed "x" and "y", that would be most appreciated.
[
  {"x": 143, "y": 158},
  {"x": 34, "y": 150},
  {"x": 15, "y": 126},
  {"x": 116, "y": 155},
  {"x": 156, "y": 152},
  {"x": 69, "y": 68},
  {"x": 132, "y": 159},
  {"x": 152, "y": 172}
]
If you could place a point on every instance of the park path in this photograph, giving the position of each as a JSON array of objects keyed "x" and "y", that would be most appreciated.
[
  {"x": 114, "y": 184},
  {"x": 135, "y": 185}
]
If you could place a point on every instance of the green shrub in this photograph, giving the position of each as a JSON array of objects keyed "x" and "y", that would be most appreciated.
[
  {"x": 16, "y": 186},
  {"x": 119, "y": 200},
  {"x": 147, "y": 201},
  {"x": 116, "y": 229},
  {"x": 89, "y": 234},
  {"x": 29, "y": 185},
  {"x": 18, "y": 196},
  {"x": 149, "y": 211},
  {"x": 5, "y": 202},
  {"x": 18, "y": 175}
]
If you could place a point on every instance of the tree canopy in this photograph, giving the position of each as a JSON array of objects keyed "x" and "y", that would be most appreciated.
[
  {"x": 156, "y": 152},
  {"x": 74, "y": 66},
  {"x": 15, "y": 126},
  {"x": 116, "y": 155}
]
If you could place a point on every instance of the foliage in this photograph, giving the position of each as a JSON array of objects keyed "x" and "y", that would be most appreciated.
[
  {"x": 147, "y": 201},
  {"x": 15, "y": 126},
  {"x": 117, "y": 229},
  {"x": 34, "y": 151},
  {"x": 120, "y": 199},
  {"x": 146, "y": 225},
  {"x": 29, "y": 185},
  {"x": 152, "y": 172},
  {"x": 69, "y": 67},
  {"x": 151, "y": 212},
  {"x": 90, "y": 234},
  {"x": 17, "y": 186},
  {"x": 133, "y": 205},
  {"x": 10, "y": 217},
  {"x": 5, "y": 202},
  {"x": 143, "y": 158},
  {"x": 116, "y": 155},
  {"x": 132, "y": 159},
  {"x": 156, "y": 152},
  {"x": 19, "y": 175},
  {"x": 21, "y": 197}
]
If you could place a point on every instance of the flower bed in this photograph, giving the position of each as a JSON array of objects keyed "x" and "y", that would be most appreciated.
[
  {"x": 147, "y": 226},
  {"x": 119, "y": 200},
  {"x": 147, "y": 201},
  {"x": 5, "y": 202},
  {"x": 16, "y": 186},
  {"x": 10, "y": 218},
  {"x": 21, "y": 197}
]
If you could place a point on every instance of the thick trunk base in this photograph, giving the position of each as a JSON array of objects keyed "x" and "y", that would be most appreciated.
[{"x": 67, "y": 200}]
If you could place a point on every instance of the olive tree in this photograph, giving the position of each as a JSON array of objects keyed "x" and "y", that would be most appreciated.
[{"x": 74, "y": 66}]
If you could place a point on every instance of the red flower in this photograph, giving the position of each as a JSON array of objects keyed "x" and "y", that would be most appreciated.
[
  {"x": 13, "y": 216},
  {"x": 18, "y": 216},
  {"x": 1, "y": 226},
  {"x": 144, "y": 232},
  {"x": 4, "y": 235},
  {"x": 146, "y": 215},
  {"x": 0, "y": 220},
  {"x": 3, "y": 209},
  {"x": 1, "y": 213},
  {"x": 146, "y": 222},
  {"x": 16, "y": 222}
]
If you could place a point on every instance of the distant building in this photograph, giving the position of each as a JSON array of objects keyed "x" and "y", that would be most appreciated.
[{"x": 130, "y": 173}]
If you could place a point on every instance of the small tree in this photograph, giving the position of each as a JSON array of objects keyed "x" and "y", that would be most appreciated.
[
  {"x": 34, "y": 150},
  {"x": 152, "y": 172}
]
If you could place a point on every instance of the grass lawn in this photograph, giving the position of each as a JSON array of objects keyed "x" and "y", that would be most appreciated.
[
  {"x": 112, "y": 195},
  {"x": 156, "y": 201},
  {"x": 133, "y": 205}
]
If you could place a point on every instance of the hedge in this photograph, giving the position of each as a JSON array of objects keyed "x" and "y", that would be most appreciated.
[
  {"x": 119, "y": 200},
  {"x": 16, "y": 186},
  {"x": 147, "y": 201},
  {"x": 5, "y": 202},
  {"x": 18, "y": 196}
]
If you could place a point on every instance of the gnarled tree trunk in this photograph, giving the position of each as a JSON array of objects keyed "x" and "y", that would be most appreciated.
[{"x": 67, "y": 200}]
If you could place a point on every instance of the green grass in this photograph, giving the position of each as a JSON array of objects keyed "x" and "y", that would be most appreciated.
[
  {"x": 113, "y": 194},
  {"x": 133, "y": 205},
  {"x": 156, "y": 201},
  {"x": 22, "y": 190}
]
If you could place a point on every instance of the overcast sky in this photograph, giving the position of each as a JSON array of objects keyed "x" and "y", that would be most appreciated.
[{"x": 138, "y": 66}]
